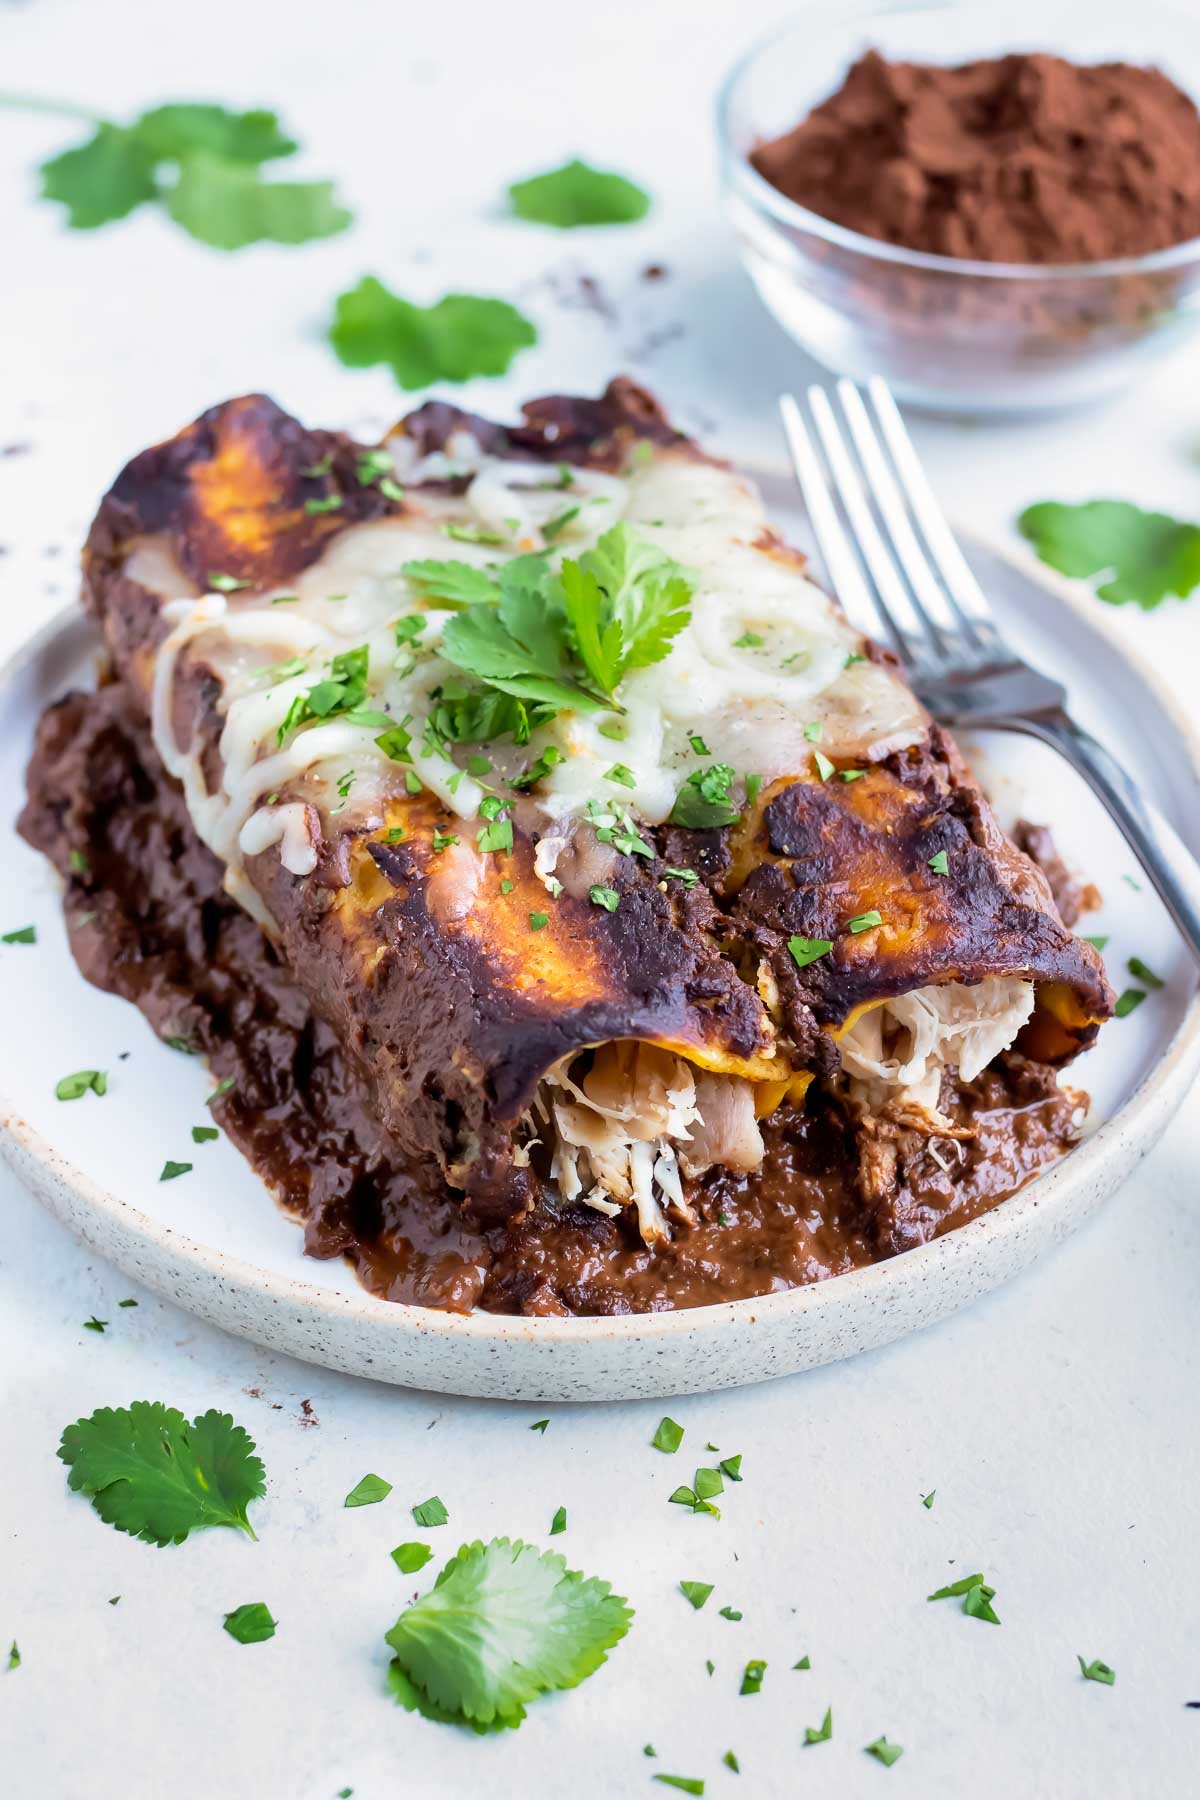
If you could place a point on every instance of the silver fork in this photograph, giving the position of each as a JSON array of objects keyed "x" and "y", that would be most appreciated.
[{"x": 903, "y": 580}]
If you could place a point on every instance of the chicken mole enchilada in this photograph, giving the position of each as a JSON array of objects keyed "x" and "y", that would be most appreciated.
[{"x": 576, "y": 914}]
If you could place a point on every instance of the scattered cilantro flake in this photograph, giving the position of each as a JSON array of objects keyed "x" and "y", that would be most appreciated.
[
  {"x": 688, "y": 877},
  {"x": 461, "y": 335},
  {"x": 1097, "y": 1671},
  {"x": 14, "y": 1656},
  {"x": 408, "y": 1558},
  {"x": 498, "y": 835},
  {"x": 697, "y": 1502},
  {"x": 95, "y": 1324},
  {"x": 698, "y": 745},
  {"x": 731, "y": 1762},
  {"x": 620, "y": 774},
  {"x": 851, "y": 774},
  {"x": 558, "y": 1523},
  {"x": 606, "y": 897},
  {"x": 749, "y": 640},
  {"x": 807, "y": 950},
  {"x": 813, "y": 730},
  {"x": 368, "y": 1492},
  {"x": 540, "y": 1425},
  {"x": 553, "y": 528},
  {"x": 126, "y": 1302},
  {"x": 78, "y": 863},
  {"x": 372, "y": 464},
  {"x": 686, "y": 1784},
  {"x": 285, "y": 599},
  {"x": 824, "y": 766},
  {"x": 549, "y": 759},
  {"x": 813, "y": 1736},
  {"x": 731, "y": 1613},
  {"x": 472, "y": 534},
  {"x": 753, "y": 784},
  {"x": 710, "y": 1666},
  {"x": 928, "y": 1499},
  {"x": 430, "y": 1512},
  {"x": 940, "y": 863},
  {"x": 977, "y": 1597},
  {"x": 1129, "y": 1002},
  {"x": 667, "y": 1437},
  {"x": 504, "y": 1623},
  {"x": 804, "y": 1663},
  {"x": 1144, "y": 555},
  {"x": 696, "y": 1592},
  {"x": 538, "y": 921},
  {"x": 731, "y": 1468},
  {"x": 251, "y": 1623},
  {"x": 442, "y": 840},
  {"x": 1141, "y": 972},
  {"x": 222, "y": 1087},
  {"x": 752, "y": 1677},
  {"x": 702, "y": 803},
  {"x": 172, "y": 1170},
  {"x": 479, "y": 765},
  {"x": 85, "y": 1081},
  {"x": 884, "y": 1752},
  {"x": 324, "y": 503},
  {"x": 313, "y": 472},
  {"x": 576, "y": 194},
  {"x": 150, "y": 1473},
  {"x": 204, "y": 1134},
  {"x": 184, "y": 1045},
  {"x": 506, "y": 887},
  {"x": 708, "y": 1483},
  {"x": 1097, "y": 943},
  {"x": 614, "y": 730},
  {"x": 864, "y": 922},
  {"x": 228, "y": 584},
  {"x": 26, "y": 934}
]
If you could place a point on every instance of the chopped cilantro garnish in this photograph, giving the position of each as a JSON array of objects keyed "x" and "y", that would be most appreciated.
[
  {"x": 506, "y": 887},
  {"x": 688, "y": 877},
  {"x": 977, "y": 1597},
  {"x": 148, "y": 1472},
  {"x": 394, "y": 834},
  {"x": 222, "y": 1087},
  {"x": 124, "y": 1303},
  {"x": 314, "y": 471},
  {"x": 250, "y": 1624},
  {"x": 699, "y": 1503},
  {"x": 940, "y": 863},
  {"x": 95, "y": 1324},
  {"x": 614, "y": 730},
  {"x": 461, "y": 335},
  {"x": 621, "y": 775},
  {"x": 172, "y": 1170},
  {"x": 324, "y": 503},
  {"x": 698, "y": 745},
  {"x": 204, "y": 1134},
  {"x": 479, "y": 765},
  {"x": 807, "y": 950},
  {"x": 708, "y": 1483},
  {"x": 702, "y": 803},
  {"x": 749, "y": 640},
  {"x": 225, "y": 584},
  {"x": 1097, "y": 1671},
  {"x": 864, "y": 922},
  {"x": 1141, "y": 972},
  {"x": 430, "y": 1512},
  {"x": 851, "y": 774},
  {"x": 453, "y": 583},
  {"x": 686, "y": 1784},
  {"x": 368, "y": 1492},
  {"x": 884, "y": 1752},
  {"x": 74, "y": 1087},
  {"x": 696, "y": 1592},
  {"x": 408, "y": 1558},
  {"x": 558, "y": 1523},
  {"x": 731, "y": 1613},
  {"x": 824, "y": 766},
  {"x": 498, "y": 835},
  {"x": 606, "y": 897},
  {"x": 14, "y": 1656},
  {"x": 625, "y": 601},
  {"x": 553, "y": 528},
  {"x": 442, "y": 840},
  {"x": 813, "y": 1736},
  {"x": 473, "y": 534},
  {"x": 78, "y": 863},
  {"x": 26, "y": 934},
  {"x": 731, "y": 1468},
  {"x": 804, "y": 1663},
  {"x": 413, "y": 783},
  {"x": 752, "y": 1677},
  {"x": 753, "y": 784},
  {"x": 928, "y": 1499},
  {"x": 540, "y": 1425},
  {"x": 1097, "y": 943},
  {"x": 538, "y": 921},
  {"x": 503, "y": 1623},
  {"x": 667, "y": 1437},
  {"x": 372, "y": 464},
  {"x": 549, "y": 759},
  {"x": 1128, "y": 1002},
  {"x": 285, "y": 599},
  {"x": 813, "y": 730},
  {"x": 577, "y": 194},
  {"x": 342, "y": 691}
]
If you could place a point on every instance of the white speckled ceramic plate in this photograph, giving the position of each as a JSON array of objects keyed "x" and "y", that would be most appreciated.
[{"x": 214, "y": 1242}]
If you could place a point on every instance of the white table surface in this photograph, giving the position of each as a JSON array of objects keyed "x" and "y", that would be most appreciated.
[{"x": 1057, "y": 1420}]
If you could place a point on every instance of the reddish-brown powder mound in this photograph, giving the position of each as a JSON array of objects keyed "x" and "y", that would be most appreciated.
[{"x": 1026, "y": 159}]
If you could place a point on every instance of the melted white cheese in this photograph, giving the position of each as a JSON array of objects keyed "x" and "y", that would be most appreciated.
[{"x": 749, "y": 702}]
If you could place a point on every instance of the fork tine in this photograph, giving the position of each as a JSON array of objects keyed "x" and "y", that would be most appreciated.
[
  {"x": 841, "y": 564},
  {"x": 961, "y": 586},
  {"x": 895, "y": 602}
]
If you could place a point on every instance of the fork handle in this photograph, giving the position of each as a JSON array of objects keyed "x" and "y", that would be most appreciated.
[{"x": 1170, "y": 865}]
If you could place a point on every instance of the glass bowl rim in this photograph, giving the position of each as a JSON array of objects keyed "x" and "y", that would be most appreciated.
[{"x": 741, "y": 171}]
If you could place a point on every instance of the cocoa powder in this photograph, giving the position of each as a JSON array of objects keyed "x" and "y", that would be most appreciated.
[{"x": 1025, "y": 159}]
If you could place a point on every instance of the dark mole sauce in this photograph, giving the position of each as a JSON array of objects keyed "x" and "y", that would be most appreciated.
[{"x": 149, "y": 921}]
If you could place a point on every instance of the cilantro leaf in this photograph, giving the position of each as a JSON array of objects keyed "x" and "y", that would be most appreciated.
[
  {"x": 84, "y": 1081},
  {"x": 453, "y": 583},
  {"x": 251, "y": 1623},
  {"x": 702, "y": 803},
  {"x": 558, "y": 1523},
  {"x": 752, "y": 1676},
  {"x": 822, "y": 1736},
  {"x": 667, "y": 1437},
  {"x": 249, "y": 137},
  {"x": 430, "y": 1512},
  {"x": 228, "y": 205},
  {"x": 104, "y": 179},
  {"x": 807, "y": 950},
  {"x": 577, "y": 194},
  {"x": 460, "y": 336},
  {"x": 14, "y": 1656},
  {"x": 368, "y": 1492},
  {"x": 1097, "y": 1671},
  {"x": 977, "y": 1597},
  {"x": 504, "y": 1623},
  {"x": 626, "y": 600},
  {"x": 1144, "y": 555},
  {"x": 150, "y": 1473},
  {"x": 696, "y": 1592},
  {"x": 884, "y": 1752},
  {"x": 517, "y": 650},
  {"x": 24, "y": 934},
  {"x": 408, "y": 1558},
  {"x": 686, "y": 1784}
]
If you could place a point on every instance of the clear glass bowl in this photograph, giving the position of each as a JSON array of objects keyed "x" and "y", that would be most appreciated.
[{"x": 951, "y": 336}]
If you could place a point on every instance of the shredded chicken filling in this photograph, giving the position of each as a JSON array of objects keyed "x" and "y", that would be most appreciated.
[{"x": 627, "y": 1123}]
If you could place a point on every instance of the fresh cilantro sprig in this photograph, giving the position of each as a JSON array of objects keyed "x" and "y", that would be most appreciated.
[
  {"x": 203, "y": 163},
  {"x": 577, "y": 194},
  {"x": 460, "y": 336},
  {"x": 626, "y": 601},
  {"x": 504, "y": 1623},
  {"x": 148, "y": 1472},
  {"x": 1144, "y": 556}
]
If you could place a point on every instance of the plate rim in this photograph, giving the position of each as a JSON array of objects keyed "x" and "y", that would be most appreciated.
[{"x": 58, "y": 1183}]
